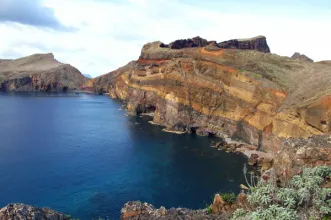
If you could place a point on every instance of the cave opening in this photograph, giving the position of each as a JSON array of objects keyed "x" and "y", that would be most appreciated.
[
  {"x": 64, "y": 89},
  {"x": 210, "y": 134},
  {"x": 150, "y": 109},
  {"x": 194, "y": 130},
  {"x": 49, "y": 88},
  {"x": 146, "y": 110}
]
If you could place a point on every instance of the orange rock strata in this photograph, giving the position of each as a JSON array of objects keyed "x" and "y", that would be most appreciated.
[{"x": 228, "y": 93}]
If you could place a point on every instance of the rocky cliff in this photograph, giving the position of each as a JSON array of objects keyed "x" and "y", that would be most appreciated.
[
  {"x": 39, "y": 72},
  {"x": 217, "y": 89}
]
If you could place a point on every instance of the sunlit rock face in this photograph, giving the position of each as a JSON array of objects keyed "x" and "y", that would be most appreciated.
[{"x": 231, "y": 89}]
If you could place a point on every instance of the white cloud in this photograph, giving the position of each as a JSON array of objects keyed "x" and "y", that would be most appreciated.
[{"x": 110, "y": 34}]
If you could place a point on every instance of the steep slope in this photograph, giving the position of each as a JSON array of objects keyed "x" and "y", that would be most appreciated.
[
  {"x": 243, "y": 92},
  {"x": 38, "y": 72}
]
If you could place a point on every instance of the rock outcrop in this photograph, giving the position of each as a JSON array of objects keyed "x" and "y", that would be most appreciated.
[
  {"x": 25, "y": 212},
  {"x": 144, "y": 211},
  {"x": 301, "y": 57},
  {"x": 297, "y": 153},
  {"x": 186, "y": 43},
  {"x": 39, "y": 72},
  {"x": 218, "y": 210},
  {"x": 258, "y": 43}
]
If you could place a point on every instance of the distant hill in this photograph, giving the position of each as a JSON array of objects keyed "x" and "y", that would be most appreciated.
[
  {"x": 88, "y": 76},
  {"x": 39, "y": 72},
  {"x": 301, "y": 57}
]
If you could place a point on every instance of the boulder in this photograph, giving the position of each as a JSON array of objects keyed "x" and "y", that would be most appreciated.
[
  {"x": 218, "y": 144},
  {"x": 218, "y": 204},
  {"x": 132, "y": 209}
]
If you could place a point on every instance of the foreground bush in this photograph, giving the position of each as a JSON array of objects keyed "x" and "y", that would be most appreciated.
[{"x": 301, "y": 197}]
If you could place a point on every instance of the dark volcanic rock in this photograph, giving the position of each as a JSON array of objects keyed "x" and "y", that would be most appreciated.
[
  {"x": 258, "y": 43},
  {"x": 25, "y": 212},
  {"x": 186, "y": 43},
  {"x": 301, "y": 57}
]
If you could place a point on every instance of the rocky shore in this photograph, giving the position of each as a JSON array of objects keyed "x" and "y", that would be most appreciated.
[
  {"x": 26, "y": 212},
  {"x": 218, "y": 210}
]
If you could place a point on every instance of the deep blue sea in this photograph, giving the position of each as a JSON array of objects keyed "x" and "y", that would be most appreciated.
[{"x": 80, "y": 154}]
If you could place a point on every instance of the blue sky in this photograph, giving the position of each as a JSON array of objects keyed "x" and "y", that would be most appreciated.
[{"x": 98, "y": 36}]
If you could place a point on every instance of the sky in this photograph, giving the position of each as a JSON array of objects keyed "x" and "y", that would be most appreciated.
[{"x": 98, "y": 36}]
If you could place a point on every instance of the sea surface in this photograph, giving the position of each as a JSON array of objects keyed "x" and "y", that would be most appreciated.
[{"x": 81, "y": 155}]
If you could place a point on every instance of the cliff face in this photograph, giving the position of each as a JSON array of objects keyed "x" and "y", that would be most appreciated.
[
  {"x": 39, "y": 72},
  {"x": 258, "y": 97}
]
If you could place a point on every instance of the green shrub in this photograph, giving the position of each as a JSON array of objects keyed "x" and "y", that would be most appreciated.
[
  {"x": 229, "y": 198},
  {"x": 209, "y": 209},
  {"x": 301, "y": 198}
]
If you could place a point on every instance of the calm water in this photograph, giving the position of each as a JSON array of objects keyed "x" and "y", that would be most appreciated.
[{"x": 81, "y": 155}]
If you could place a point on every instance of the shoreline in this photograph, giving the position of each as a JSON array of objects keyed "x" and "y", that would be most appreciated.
[{"x": 172, "y": 131}]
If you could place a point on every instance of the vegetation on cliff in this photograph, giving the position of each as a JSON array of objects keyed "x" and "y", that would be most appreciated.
[{"x": 305, "y": 196}]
